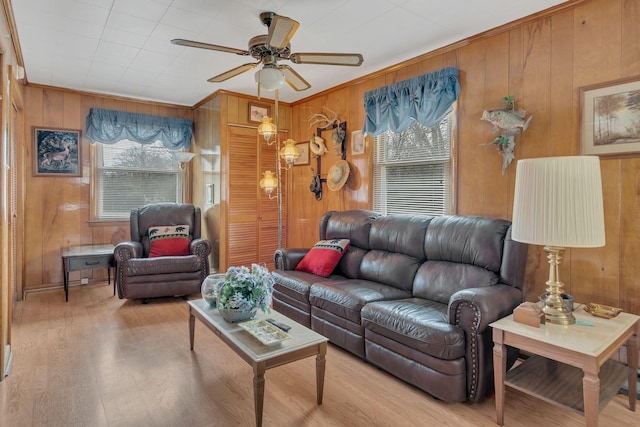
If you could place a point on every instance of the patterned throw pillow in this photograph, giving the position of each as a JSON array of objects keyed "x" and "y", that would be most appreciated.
[
  {"x": 323, "y": 257},
  {"x": 168, "y": 240}
]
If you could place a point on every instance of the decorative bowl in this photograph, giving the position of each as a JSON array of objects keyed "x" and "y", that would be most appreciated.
[{"x": 209, "y": 288}]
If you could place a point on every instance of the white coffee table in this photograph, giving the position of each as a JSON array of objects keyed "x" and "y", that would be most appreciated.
[{"x": 303, "y": 343}]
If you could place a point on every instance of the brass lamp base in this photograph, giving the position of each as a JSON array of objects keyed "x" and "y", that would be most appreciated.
[{"x": 555, "y": 311}]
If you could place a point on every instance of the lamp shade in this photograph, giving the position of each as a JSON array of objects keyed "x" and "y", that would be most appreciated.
[
  {"x": 558, "y": 202},
  {"x": 269, "y": 182},
  {"x": 289, "y": 152},
  {"x": 183, "y": 156},
  {"x": 266, "y": 128},
  {"x": 270, "y": 77}
]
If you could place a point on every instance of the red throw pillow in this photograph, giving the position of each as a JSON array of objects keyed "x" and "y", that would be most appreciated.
[
  {"x": 323, "y": 257},
  {"x": 168, "y": 240}
]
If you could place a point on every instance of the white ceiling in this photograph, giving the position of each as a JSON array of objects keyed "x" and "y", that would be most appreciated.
[{"x": 122, "y": 47}]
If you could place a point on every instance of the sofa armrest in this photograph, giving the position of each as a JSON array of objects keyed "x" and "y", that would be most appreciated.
[
  {"x": 200, "y": 247},
  {"x": 288, "y": 258},
  {"x": 474, "y": 309},
  {"x": 127, "y": 250}
]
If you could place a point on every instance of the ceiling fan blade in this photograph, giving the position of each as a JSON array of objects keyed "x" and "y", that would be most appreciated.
[
  {"x": 294, "y": 79},
  {"x": 191, "y": 43},
  {"x": 349, "y": 59},
  {"x": 281, "y": 30},
  {"x": 232, "y": 72}
]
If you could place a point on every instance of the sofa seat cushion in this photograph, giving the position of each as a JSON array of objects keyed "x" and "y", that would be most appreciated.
[
  {"x": 345, "y": 298},
  {"x": 417, "y": 323},
  {"x": 296, "y": 284},
  {"x": 163, "y": 265}
]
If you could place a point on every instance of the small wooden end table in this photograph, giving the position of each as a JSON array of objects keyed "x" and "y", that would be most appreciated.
[
  {"x": 303, "y": 343},
  {"x": 564, "y": 356},
  {"x": 87, "y": 257}
]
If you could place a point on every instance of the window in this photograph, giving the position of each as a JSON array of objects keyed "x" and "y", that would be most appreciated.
[
  {"x": 412, "y": 170},
  {"x": 130, "y": 174}
]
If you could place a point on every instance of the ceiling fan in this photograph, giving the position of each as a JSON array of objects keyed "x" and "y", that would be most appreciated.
[{"x": 270, "y": 48}]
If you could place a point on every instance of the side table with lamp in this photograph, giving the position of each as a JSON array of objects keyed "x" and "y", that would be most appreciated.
[{"x": 558, "y": 204}]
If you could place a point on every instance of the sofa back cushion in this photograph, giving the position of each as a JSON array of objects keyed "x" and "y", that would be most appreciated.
[
  {"x": 462, "y": 252},
  {"x": 397, "y": 250},
  {"x": 355, "y": 226}
]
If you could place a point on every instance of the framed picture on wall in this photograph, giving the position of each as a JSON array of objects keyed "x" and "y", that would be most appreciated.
[
  {"x": 258, "y": 111},
  {"x": 610, "y": 118},
  {"x": 303, "y": 159},
  {"x": 57, "y": 152},
  {"x": 357, "y": 142}
]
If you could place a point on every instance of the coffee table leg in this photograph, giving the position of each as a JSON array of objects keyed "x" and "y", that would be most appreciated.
[
  {"x": 258, "y": 391},
  {"x": 192, "y": 327},
  {"x": 320, "y": 366}
]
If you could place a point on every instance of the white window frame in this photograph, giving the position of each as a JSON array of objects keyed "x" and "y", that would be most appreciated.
[
  {"x": 169, "y": 168},
  {"x": 418, "y": 179}
]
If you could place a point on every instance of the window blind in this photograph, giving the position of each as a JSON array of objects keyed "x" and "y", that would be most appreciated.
[
  {"x": 130, "y": 175},
  {"x": 412, "y": 170}
]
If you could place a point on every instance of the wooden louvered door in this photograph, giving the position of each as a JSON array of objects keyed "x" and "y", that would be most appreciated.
[{"x": 252, "y": 220}]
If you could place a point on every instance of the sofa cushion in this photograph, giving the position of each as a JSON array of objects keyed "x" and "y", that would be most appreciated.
[
  {"x": 323, "y": 257},
  {"x": 438, "y": 280},
  {"x": 168, "y": 240},
  {"x": 391, "y": 268},
  {"x": 468, "y": 240},
  {"x": 417, "y": 323},
  {"x": 295, "y": 284},
  {"x": 165, "y": 265},
  {"x": 345, "y": 298}
]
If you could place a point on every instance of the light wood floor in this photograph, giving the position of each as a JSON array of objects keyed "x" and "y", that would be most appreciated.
[{"x": 101, "y": 361}]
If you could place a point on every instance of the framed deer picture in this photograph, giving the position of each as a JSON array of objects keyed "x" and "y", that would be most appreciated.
[{"x": 56, "y": 152}]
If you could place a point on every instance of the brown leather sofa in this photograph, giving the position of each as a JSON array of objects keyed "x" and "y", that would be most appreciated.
[
  {"x": 139, "y": 276},
  {"x": 413, "y": 295}
]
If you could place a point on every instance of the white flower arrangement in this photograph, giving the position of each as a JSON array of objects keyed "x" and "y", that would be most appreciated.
[{"x": 246, "y": 289}]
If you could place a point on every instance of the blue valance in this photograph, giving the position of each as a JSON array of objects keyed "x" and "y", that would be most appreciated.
[
  {"x": 111, "y": 126},
  {"x": 425, "y": 99}
]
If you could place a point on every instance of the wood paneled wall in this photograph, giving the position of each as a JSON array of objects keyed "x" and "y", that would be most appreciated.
[
  {"x": 541, "y": 62},
  {"x": 57, "y": 208}
]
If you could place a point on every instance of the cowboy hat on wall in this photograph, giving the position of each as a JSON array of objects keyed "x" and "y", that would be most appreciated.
[{"x": 338, "y": 175}]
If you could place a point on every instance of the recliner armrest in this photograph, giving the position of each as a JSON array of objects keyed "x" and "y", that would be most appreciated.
[
  {"x": 200, "y": 247},
  {"x": 475, "y": 308},
  {"x": 288, "y": 258},
  {"x": 127, "y": 250}
]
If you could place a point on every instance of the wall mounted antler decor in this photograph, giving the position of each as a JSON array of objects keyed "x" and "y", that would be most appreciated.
[{"x": 511, "y": 123}]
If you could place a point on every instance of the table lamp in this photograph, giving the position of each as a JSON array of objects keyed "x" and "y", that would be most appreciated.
[{"x": 558, "y": 204}]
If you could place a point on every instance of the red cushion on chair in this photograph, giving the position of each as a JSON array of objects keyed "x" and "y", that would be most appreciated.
[
  {"x": 323, "y": 257},
  {"x": 168, "y": 240}
]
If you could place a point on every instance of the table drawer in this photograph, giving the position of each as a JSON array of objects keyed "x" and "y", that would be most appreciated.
[{"x": 85, "y": 263}]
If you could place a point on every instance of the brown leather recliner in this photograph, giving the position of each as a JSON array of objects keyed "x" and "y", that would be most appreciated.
[{"x": 139, "y": 276}]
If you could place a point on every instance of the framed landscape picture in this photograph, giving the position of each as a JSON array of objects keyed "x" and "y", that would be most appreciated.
[
  {"x": 56, "y": 152},
  {"x": 258, "y": 111},
  {"x": 610, "y": 118}
]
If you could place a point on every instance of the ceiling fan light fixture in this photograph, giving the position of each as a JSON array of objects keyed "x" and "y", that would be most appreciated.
[{"x": 270, "y": 78}]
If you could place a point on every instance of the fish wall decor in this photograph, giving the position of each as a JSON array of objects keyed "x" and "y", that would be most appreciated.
[{"x": 510, "y": 123}]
